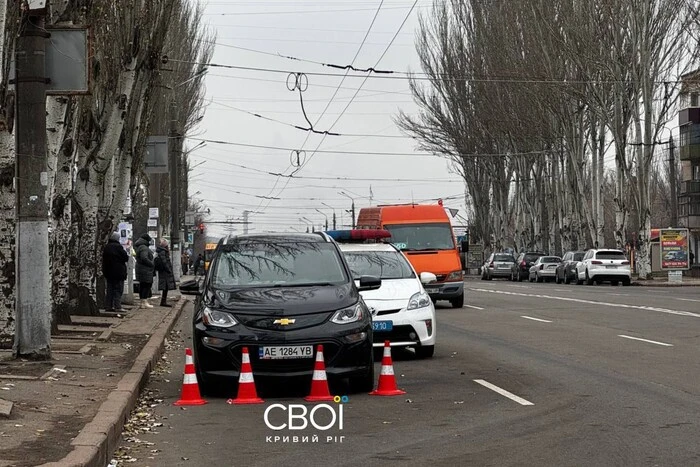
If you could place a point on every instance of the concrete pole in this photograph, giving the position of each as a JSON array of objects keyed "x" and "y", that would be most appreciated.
[
  {"x": 245, "y": 221},
  {"x": 174, "y": 149},
  {"x": 673, "y": 181},
  {"x": 33, "y": 283},
  {"x": 353, "y": 213}
]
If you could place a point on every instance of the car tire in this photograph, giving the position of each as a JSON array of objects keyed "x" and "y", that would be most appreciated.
[
  {"x": 457, "y": 302},
  {"x": 614, "y": 283},
  {"x": 364, "y": 383},
  {"x": 425, "y": 351},
  {"x": 589, "y": 281},
  {"x": 626, "y": 282}
]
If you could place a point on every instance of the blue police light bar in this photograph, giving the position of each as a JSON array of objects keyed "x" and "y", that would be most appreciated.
[{"x": 358, "y": 235}]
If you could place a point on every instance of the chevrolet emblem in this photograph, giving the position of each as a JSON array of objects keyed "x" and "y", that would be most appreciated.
[{"x": 284, "y": 321}]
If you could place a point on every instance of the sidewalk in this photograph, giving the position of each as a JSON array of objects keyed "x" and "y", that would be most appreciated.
[{"x": 70, "y": 410}]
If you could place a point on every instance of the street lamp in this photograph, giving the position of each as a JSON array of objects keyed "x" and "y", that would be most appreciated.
[
  {"x": 332, "y": 209},
  {"x": 324, "y": 215},
  {"x": 306, "y": 222},
  {"x": 352, "y": 209}
]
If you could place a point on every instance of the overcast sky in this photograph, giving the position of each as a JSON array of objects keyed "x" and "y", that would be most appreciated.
[{"x": 328, "y": 31}]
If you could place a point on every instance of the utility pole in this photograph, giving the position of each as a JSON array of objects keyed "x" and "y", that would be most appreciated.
[
  {"x": 33, "y": 305},
  {"x": 334, "y": 223},
  {"x": 674, "y": 180},
  {"x": 245, "y": 222},
  {"x": 174, "y": 156},
  {"x": 352, "y": 211}
]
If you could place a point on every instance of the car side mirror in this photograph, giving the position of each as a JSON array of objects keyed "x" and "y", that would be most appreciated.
[
  {"x": 191, "y": 287},
  {"x": 369, "y": 283},
  {"x": 427, "y": 278}
]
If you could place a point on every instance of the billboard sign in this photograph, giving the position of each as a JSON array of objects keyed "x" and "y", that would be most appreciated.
[{"x": 674, "y": 249}]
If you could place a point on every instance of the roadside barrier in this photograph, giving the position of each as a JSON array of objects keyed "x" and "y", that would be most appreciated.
[
  {"x": 387, "y": 381},
  {"x": 190, "y": 388},
  {"x": 319, "y": 382},
  {"x": 246, "y": 385}
]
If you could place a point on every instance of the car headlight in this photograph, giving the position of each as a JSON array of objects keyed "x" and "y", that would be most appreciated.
[
  {"x": 455, "y": 276},
  {"x": 348, "y": 315},
  {"x": 219, "y": 319},
  {"x": 418, "y": 300}
]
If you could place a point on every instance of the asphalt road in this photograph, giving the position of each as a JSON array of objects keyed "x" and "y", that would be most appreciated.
[{"x": 567, "y": 375}]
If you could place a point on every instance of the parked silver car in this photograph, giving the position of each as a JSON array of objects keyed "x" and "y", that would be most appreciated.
[
  {"x": 545, "y": 268},
  {"x": 497, "y": 265}
]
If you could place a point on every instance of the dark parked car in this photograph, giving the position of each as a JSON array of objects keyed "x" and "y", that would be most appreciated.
[
  {"x": 566, "y": 271},
  {"x": 521, "y": 268},
  {"x": 281, "y": 295}
]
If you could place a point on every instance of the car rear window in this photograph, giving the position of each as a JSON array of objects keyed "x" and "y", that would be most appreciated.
[
  {"x": 508, "y": 258},
  {"x": 578, "y": 256},
  {"x": 551, "y": 259},
  {"x": 532, "y": 257},
  {"x": 612, "y": 254}
]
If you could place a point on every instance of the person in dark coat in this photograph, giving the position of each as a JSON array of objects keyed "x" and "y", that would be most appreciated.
[
  {"x": 114, "y": 259},
  {"x": 166, "y": 279},
  {"x": 145, "y": 269},
  {"x": 198, "y": 264}
]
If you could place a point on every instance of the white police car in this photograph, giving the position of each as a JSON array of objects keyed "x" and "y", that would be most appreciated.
[{"x": 402, "y": 312}]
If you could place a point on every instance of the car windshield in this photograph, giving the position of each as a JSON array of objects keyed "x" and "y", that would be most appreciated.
[
  {"x": 436, "y": 236},
  {"x": 507, "y": 258},
  {"x": 550, "y": 259},
  {"x": 267, "y": 264},
  {"x": 610, "y": 255},
  {"x": 531, "y": 257},
  {"x": 578, "y": 256},
  {"x": 382, "y": 264}
]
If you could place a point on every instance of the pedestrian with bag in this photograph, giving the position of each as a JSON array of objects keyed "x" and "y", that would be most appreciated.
[
  {"x": 166, "y": 279},
  {"x": 145, "y": 269},
  {"x": 114, "y": 259}
]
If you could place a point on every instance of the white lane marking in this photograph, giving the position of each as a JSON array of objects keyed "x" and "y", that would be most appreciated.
[
  {"x": 645, "y": 340},
  {"x": 472, "y": 306},
  {"x": 620, "y": 294},
  {"x": 687, "y": 299},
  {"x": 591, "y": 302},
  {"x": 536, "y": 319},
  {"x": 503, "y": 392},
  {"x": 561, "y": 290},
  {"x": 520, "y": 286}
]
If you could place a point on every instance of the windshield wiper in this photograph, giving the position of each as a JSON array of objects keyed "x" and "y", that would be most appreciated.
[{"x": 307, "y": 284}]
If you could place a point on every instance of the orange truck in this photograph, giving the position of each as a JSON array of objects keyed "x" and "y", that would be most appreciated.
[{"x": 424, "y": 234}]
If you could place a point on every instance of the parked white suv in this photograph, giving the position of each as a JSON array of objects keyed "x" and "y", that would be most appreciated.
[{"x": 604, "y": 265}]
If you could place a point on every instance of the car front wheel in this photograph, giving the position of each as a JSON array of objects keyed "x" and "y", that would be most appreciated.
[
  {"x": 457, "y": 302},
  {"x": 364, "y": 383},
  {"x": 589, "y": 281}
]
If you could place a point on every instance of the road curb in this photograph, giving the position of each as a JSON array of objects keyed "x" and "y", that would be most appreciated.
[{"x": 94, "y": 445}]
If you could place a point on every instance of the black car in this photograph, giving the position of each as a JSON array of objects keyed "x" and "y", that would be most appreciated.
[
  {"x": 521, "y": 269},
  {"x": 566, "y": 271},
  {"x": 281, "y": 295}
]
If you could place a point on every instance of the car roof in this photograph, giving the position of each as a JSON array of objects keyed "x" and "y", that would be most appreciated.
[
  {"x": 317, "y": 237},
  {"x": 366, "y": 247}
]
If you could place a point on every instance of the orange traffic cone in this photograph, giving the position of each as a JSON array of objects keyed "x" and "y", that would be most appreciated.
[
  {"x": 246, "y": 386},
  {"x": 319, "y": 382},
  {"x": 387, "y": 381},
  {"x": 190, "y": 389}
]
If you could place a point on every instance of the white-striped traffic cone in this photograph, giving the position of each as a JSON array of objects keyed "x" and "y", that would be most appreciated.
[
  {"x": 246, "y": 385},
  {"x": 190, "y": 389},
  {"x": 319, "y": 382},
  {"x": 387, "y": 381}
]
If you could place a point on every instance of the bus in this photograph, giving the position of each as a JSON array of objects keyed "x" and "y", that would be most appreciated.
[{"x": 208, "y": 254}]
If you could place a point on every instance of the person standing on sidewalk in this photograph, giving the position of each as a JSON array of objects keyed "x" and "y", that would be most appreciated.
[
  {"x": 198, "y": 264},
  {"x": 145, "y": 269},
  {"x": 114, "y": 258},
  {"x": 166, "y": 279}
]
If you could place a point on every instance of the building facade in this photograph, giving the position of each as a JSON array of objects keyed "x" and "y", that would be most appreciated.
[{"x": 689, "y": 154}]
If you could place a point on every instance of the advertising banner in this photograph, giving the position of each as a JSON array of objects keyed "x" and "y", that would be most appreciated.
[{"x": 674, "y": 249}]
